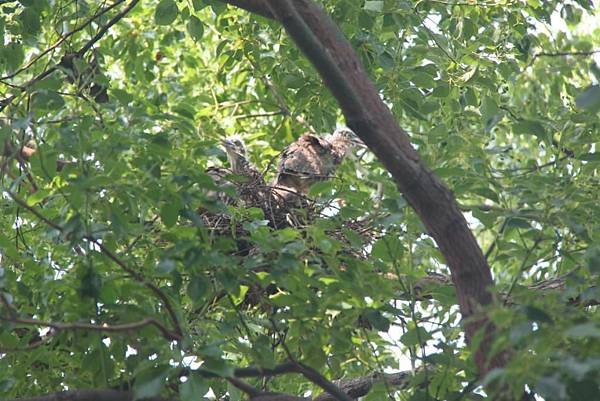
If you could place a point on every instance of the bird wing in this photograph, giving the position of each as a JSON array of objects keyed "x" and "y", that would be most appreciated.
[
  {"x": 306, "y": 158},
  {"x": 219, "y": 175}
]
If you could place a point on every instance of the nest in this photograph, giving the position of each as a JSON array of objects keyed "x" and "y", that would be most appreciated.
[{"x": 291, "y": 210}]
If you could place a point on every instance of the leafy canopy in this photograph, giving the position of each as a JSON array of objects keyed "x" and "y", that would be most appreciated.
[{"x": 500, "y": 103}]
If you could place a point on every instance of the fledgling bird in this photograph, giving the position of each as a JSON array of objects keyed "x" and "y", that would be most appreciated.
[
  {"x": 311, "y": 159},
  {"x": 250, "y": 180}
]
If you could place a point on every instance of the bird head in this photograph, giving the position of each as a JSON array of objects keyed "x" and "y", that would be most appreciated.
[
  {"x": 236, "y": 152},
  {"x": 344, "y": 139}
]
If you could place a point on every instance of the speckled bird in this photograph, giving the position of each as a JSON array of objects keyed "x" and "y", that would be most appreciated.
[
  {"x": 311, "y": 159},
  {"x": 249, "y": 181}
]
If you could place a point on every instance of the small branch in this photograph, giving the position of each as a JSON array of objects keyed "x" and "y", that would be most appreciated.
[
  {"x": 251, "y": 371},
  {"x": 93, "y": 327},
  {"x": 106, "y": 27},
  {"x": 560, "y": 54},
  {"x": 62, "y": 39},
  {"x": 258, "y": 115},
  {"x": 254, "y": 6},
  {"x": 108, "y": 253},
  {"x": 8, "y": 100}
]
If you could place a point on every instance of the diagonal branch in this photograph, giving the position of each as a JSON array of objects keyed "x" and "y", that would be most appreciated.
[
  {"x": 62, "y": 39},
  {"x": 94, "y": 327},
  {"x": 109, "y": 254},
  {"x": 342, "y": 71},
  {"x": 8, "y": 100}
]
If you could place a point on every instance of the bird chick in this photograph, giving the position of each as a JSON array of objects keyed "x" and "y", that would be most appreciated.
[
  {"x": 249, "y": 187},
  {"x": 311, "y": 159},
  {"x": 343, "y": 141},
  {"x": 236, "y": 153}
]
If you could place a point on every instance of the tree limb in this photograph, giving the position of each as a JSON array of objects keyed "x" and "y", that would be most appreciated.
[
  {"x": 62, "y": 39},
  {"x": 59, "y": 326},
  {"x": 339, "y": 66},
  {"x": 8, "y": 100}
]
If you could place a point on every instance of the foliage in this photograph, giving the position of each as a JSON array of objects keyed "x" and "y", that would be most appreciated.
[{"x": 499, "y": 103}]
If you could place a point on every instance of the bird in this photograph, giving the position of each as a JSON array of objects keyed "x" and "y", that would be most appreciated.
[
  {"x": 311, "y": 159},
  {"x": 242, "y": 178}
]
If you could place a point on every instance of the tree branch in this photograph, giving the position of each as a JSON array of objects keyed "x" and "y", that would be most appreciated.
[
  {"x": 332, "y": 55},
  {"x": 93, "y": 327},
  {"x": 254, "y": 6},
  {"x": 8, "y": 100},
  {"x": 108, "y": 253},
  {"x": 62, "y": 39}
]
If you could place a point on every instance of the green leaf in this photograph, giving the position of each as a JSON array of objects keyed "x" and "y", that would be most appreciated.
[
  {"x": 195, "y": 28},
  {"x": 37, "y": 197},
  {"x": 169, "y": 212},
  {"x": 30, "y": 20},
  {"x": 589, "y": 157},
  {"x": 589, "y": 99},
  {"x": 166, "y": 266},
  {"x": 376, "y": 319},
  {"x": 528, "y": 127},
  {"x": 551, "y": 387},
  {"x": 166, "y": 12},
  {"x": 193, "y": 388},
  {"x": 376, "y": 6},
  {"x": 197, "y": 288},
  {"x": 415, "y": 337},
  {"x": 47, "y": 101},
  {"x": 584, "y": 330},
  {"x": 149, "y": 382}
]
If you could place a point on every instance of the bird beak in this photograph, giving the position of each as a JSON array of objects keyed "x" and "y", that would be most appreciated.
[
  {"x": 356, "y": 141},
  {"x": 226, "y": 143}
]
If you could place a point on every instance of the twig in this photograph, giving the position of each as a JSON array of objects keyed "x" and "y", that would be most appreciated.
[
  {"x": 559, "y": 54},
  {"x": 8, "y": 100},
  {"x": 62, "y": 39},
  {"x": 108, "y": 253},
  {"x": 258, "y": 115},
  {"x": 93, "y": 327}
]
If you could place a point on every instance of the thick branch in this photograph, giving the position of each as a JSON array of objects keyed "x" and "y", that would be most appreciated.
[
  {"x": 355, "y": 387},
  {"x": 323, "y": 44}
]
